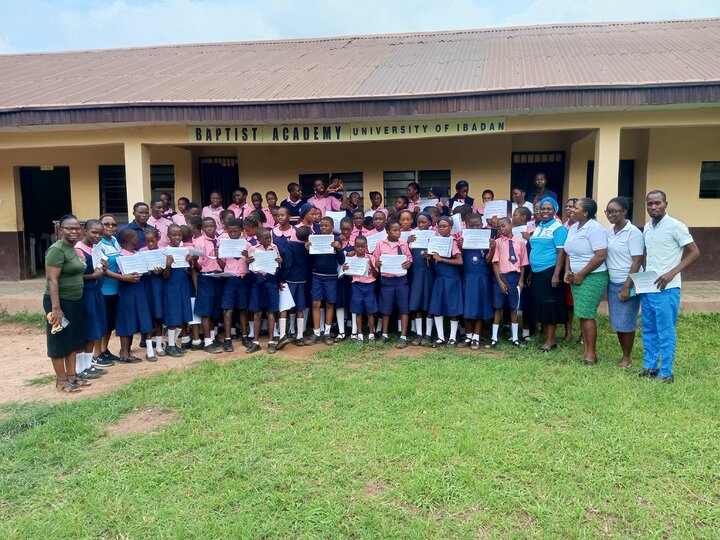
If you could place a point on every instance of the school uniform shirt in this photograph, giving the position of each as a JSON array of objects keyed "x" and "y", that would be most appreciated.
[
  {"x": 293, "y": 208},
  {"x": 369, "y": 278},
  {"x": 358, "y": 232},
  {"x": 214, "y": 213},
  {"x": 371, "y": 211},
  {"x": 290, "y": 235},
  {"x": 413, "y": 205},
  {"x": 208, "y": 263},
  {"x": 179, "y": 219},
  {"x": 582, "y": 243},
  {"x": 258, "y": 247},
  {"x": 240, "y": 211},
  {"x": 665, "y": 243},
  {"x": 502, "y": 254},
  {"x": 327, "y": 203},
  {"x": 269, "y": 218},
  {"x": 138, "y": 231},
  {"x": 238, "y": 267},
  {"x": 452, "y": 200},
  {"x": 384, "y": 247},
  {"x": 622, "y": 247},
  {"x": 161, "y": 225},
  {"x": 526, "y": 204}
]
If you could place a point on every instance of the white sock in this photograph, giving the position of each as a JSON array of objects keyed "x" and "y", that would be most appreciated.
[
  {"x": 88, "y": 360},
  {"x": 418, "y": 326},
  {"x": 252, "y": 329},
  {"x": 196, "y": 342},
  {"x": 476, "y": 337},
  {"x": 185, "y": 339},
  {"x": 233, "y": 331},
  {"x": 292, "y": 323},
  {"x": 282, "y": 326},
  {"x": 213, "y": 333},
  {"x": 208, "y": 341},
  {"x": 149, "y": 348},
  {"x": 300, "y": 327},
  {"x": 526, "y": 332},
  {"x": 79, "y": 362},
  {"x": 316, "y": 331},
  {"x": 378, "y": 326},
  {"x": 453, "y": 329},
  {"x": 495, "y": 330},
  {"x": 276, "y": 330},
  {"x": 514, "y": 327},
  {"x": 399, "y": 325},
  {"x": 429, "y": 326},
  {"x": 340, "y": 317},
  {"x": 171, "y": 337},
  {"x": 327, "y": 329},
  {"x": 322, "y": 315},
  {"x": 385, "y": 335},
  {"x": 354, "y": 324},
  {"x": 440, "y": 327},
  {"x": 158, "y": 342},
  {"x": 263, "y": 325}
]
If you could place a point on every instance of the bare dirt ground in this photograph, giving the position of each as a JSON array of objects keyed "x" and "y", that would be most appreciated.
[
  {"x": 144, "y": 420},
  {"x": 24, "y": 360}
]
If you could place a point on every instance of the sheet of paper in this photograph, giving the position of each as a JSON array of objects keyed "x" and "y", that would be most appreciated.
[
  {"x": 336, "y": 217},
  {"x": 476, "y": 238},
  {"x": 372, "y": 241},
  {"x": 424, "y": 203},
  {"x": 219, "y": 275},
  {"x": 495, "y": 208},
  {"x": 130, "y": 264},
  {"x": 357, "y": 266},
  {"x": 97, "y": 255},
  {"x": 156, "y": 258},
  {"x": 422, "y": 238},
  {"x": 264, "y": 262},
  {"x": 392, "y": 264},
  {"x": 644, "y": 282},
  {"x": 404, "y": 235},
  {"x": 457, "y": 224},
  {"x": 231, "y": 248},
  {"x": 195, "y": 252},
  {"x": 320, "y": 244},
  {"x": 456, "y": 204},
  {"x": 179, "y": 255},
  {"x": 286, "y": 299},
  {"x": 442, "y": 245},
  {"x": 517, "y": 232}
]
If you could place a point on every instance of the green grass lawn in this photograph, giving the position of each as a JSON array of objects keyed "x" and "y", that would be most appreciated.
[{"x": 353, "y": 444}]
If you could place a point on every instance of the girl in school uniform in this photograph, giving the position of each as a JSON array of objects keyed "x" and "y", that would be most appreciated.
[
  {"x": 461, "y": 196},
  {"x": 477, "y": 300},
  {"x": 93, "y": 300},
  {"x": 133, "y": 316},
  {"x": 358, "y": 226},
  {"x": 446, "y": 299},
  {"x": 376, "y": 201},
  {"x": 177, "y": 307},
  {"x": 421, "y": 284},
  {"x": 363, "y": 299},
  {"x": 344, "y": 287},
  {"x": 294, "y": 272},
  {"x": 207, "y": 301},
  {"x": 213, "y": 209},
  {"x": 283, "y": 232},
  {"x": 236, "y": 290},
  {"x": 110, "y": 287},
  {"x": 154, "y": 283},
  {"x": 379, "y": 221},
  {"x": 193, "y": 325},
  {"x": 310, "y": 217}
]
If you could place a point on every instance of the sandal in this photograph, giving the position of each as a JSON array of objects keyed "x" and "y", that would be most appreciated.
[
  {"x": 589, "y": 362},
  {"x": 67, "y": 386},
  {"x": 79, "y": 382},
  {"x": 548, "y": 349}
]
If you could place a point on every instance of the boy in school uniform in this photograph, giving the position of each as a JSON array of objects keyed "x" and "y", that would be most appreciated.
[
  {"x": 294, "y": 202},
  {"x": 293, "y": 274},
  {"x": 177, "y": 306},
  {"x": 265, "y": 294},
  {"x": 207, "y": 301},
  {"x": 236, "y": 290},
  {"x": 324, "y": 284},
  {"x": 213, "y": 209},
  {"x": 509, "y": 262},
  {"x": 240, "y": 206},
  {"x": 394, "y": 288},
  {"x": 364, "y": 301},
  {"x": 158, "y": 221}
]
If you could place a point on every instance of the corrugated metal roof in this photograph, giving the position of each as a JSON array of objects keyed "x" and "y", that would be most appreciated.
[{"x": 602, "y": 55}]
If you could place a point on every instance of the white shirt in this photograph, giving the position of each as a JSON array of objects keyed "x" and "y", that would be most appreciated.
[
  {"x": 665, "y": 243},
  {"x": 622, "y": 247},
  {"x": 583, "y": 242},
  {"x": 526, "y": 204}
]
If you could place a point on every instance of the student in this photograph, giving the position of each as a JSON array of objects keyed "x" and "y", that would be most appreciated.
[
  {"x": 434, "y": 217},
  {"x": 413, "y": 196},
  {"x": 518, "y": 199},
  {"x": 423, "y": 277},
  {"x": 213, "y": 209},
  {"x": 394, "y": 288},
  {"x": 324, "y": 284},
  {"x": 265, "y": 293},
  {"x": 376, "y": 200},
  {"x": 168, "y": 211},
  {"x": 250, "y": 227},
  {"x": 154, "y": 283},
  {"x": 310, "y": 217},
  {"x": 358, "y": 222},
  {"x": 236, "y": 290},
  {"x": 239, "y": 206},
  {"x": 540, "y": 191},
  {"x": 401, "y": 203},
  {"x": 193, "y": 325},
  {"x": 294, "y": 202},
  {"x": 344, "y": 288},
  {"x": 207, "y": 300},
  {"x": 283, "y": 232},
  {"x": 446, "y": 298},
  {"x": 158, "y": 221},
  {"x": 293, "y": 274},
  {"x": 195, "y": 225},
  {"x": 133, "y": 316},
  {"x": 461, "y": 196},
  {"x": 178, "y": 218},
  {"x": 522, "y": 216},
  {"x": 271, "y": 199},
  {"x": 177, "y": 309},
  {"x": 110, "y": 289},
  {"x": 325, "y": 202},
  {"x": 225, "y": 216},
  {"x": 509, "y": 260},
  {"x": 141, "y": 214},
  {"x": 363, "y": 299},
  {"x": 477, "y": 301},
  {"x": 93, "y": 300},
  {"x": 257, "y": 201},
  {"x": 353, "y": 203},
  {"x": 379, "y": 222}
]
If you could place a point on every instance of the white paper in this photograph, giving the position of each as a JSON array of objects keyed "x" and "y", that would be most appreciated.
[
  {"x": 495, "y": 208},
  {"x": 644, "y": 282},
  {"x": 476, "y": 238},
  {"x": 98, "y": 256},
  {"x": 456, "y": 204},
  {"x": 424, "y": 203},
  {"x": 231, "y": 248},
  {"x": 392, "y": 264},
  {"x": 130, "y": 264},
  {"x": 457, "y": 223},
  {"x": 336, "y": 217},
  {"x": 218, "y": 275},
  {"x": 195, "y": 252},
  {"x": 286, "y": 299},
  {"x": 517, "y": 232},
  {"x": 372, "y": 241},
  {"x": 264, "y": 262},
  {"x": 320, "y": 244},
  {"x": 156, "y": 258},
  {"x": 422, "y": 238},
  {"x": 442, "y": 245},
  {"x": 179, "y": 255},
  {"x": 404, "y": 235},
  {"x": 357, "y": 266}
]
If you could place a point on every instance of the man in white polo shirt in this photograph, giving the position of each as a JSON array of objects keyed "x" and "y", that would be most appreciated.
[{"x": 669, "y": 249}]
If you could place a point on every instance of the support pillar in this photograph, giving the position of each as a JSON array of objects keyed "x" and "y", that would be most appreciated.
[
  {"x": 137, "y": 173},
  {"x": 607, "y": 166}
]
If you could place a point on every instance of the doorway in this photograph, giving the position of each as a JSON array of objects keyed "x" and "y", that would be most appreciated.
[
  {"x": 218, "y": 174},
  {"x": 525, "y": 165},
  {"x": 45, "y": 198}
]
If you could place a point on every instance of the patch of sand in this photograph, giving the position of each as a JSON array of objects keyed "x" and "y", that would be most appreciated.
[{"x": 145, "y": 420}]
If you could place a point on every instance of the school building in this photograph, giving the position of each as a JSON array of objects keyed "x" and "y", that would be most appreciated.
[{"x": 602, "y": 109}]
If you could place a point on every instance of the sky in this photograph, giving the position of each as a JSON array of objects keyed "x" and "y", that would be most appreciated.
[{"x": 57, "y": 25}]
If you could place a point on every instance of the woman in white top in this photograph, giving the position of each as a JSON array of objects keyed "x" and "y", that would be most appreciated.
[
  {"x": 585, "y": 270},
  {"x": 625, "y": 254}
]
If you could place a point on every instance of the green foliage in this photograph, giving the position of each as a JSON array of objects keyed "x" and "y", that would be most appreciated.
[{"x": 26, "y": 318}]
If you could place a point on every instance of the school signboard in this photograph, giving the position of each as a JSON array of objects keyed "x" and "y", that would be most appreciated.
[{"x": 339, "y": 132}]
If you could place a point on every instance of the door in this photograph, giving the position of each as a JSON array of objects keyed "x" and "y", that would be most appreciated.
[
  {"x": 218, "y": 174},
  {"x": 45, "y": 198},
  {"x": 525, "y": 165}
]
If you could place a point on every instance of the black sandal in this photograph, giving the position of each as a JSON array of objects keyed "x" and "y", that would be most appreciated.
[
  {"x": 67, "y": 386},
  {"x": 79, "y": 382}
]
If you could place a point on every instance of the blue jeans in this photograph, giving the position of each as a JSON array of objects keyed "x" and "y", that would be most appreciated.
[{"x": 659, "y": 315}]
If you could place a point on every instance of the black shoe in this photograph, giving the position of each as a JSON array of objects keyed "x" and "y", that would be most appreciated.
[
  {"x": 648, "y": 372},
  {"x": 299, "y": 342},
  {"x": 129, "y": 359},
  {"x": 382, "y": 339},
  {"x": 328, "y": 339},
  {"x": 151, "y": 358},
  {"x": 475, "y": 345},
  {"x": 314, "y": 340},
  {"x": 464, "y": 344},
  {"x": 228, "y": 346},
  {"x": 253, "y": 347},
  {"x": 282, "y": 343},
  {"x": 87, "y": 375},
  {"x": 401, "y": 344},
  {"x": 196, "y": 347},
  {"x": 452, "y": 343},
  {"x": 271, "y": 347},
  {"x": 339, "y": 338},
  {"x": 101, "y": 361},
  {"x": 660, "y": 379},
  {"x": 417, "y": 341},
  {"x": 97, "y": 370},
  {"x": 492, "y": 345},
  {"x": 438, "y": 343},
  {"x": 185, "y": 346},
  {"x": 174, "y": 352},
  {"x": 247, "y": 341},
  {"x": 213, "y": 349}
]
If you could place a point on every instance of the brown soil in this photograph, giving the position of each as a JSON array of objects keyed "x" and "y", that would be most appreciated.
[
  {"x": 25, "y": 359},
  {"x": 145, "y": 420}
]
